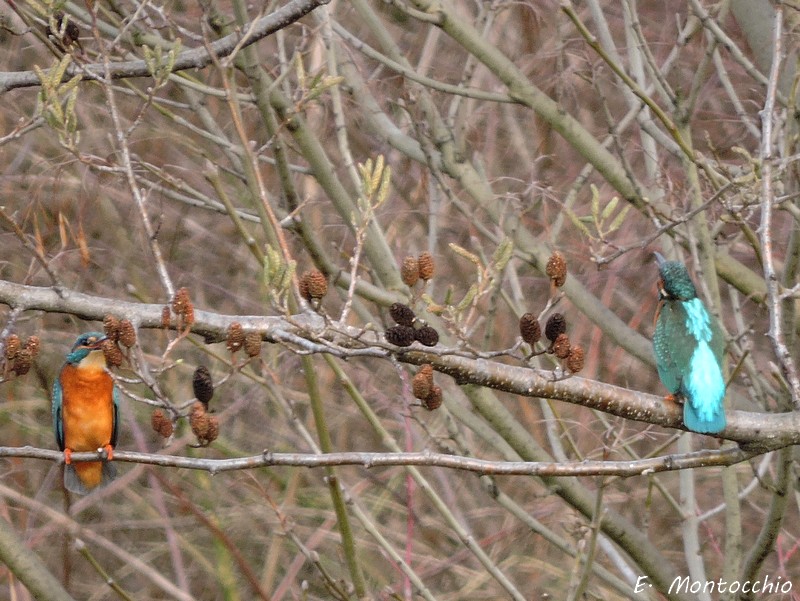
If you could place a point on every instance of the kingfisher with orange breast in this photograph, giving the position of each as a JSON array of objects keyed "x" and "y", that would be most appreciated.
[{"x": 86, "y": 414}]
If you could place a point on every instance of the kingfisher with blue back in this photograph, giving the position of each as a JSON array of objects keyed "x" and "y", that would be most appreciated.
[
  {"x": 86, "y": 414},
  {"x": 689, "y": 348}
]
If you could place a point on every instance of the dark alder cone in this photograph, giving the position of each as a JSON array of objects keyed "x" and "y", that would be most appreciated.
[
  {"x": 434, "y": 400},
  {"x": 23, "y": 362},
  {"x": 127, "y": 333},
  {"x": 556, "y": 269},
  {"x": 198, "y": 420},
  {"x": 529, "y": 328},
  {"x": 575, "y": 359},
  {"x": 66, "y": 33},
  {"x": 402, "y": 314},
  {"x": 111, "y": 327},
  {"x": 556, "y": 324},
  {"x": 400, "y": 335},
  {"x": 422, "y": 383},
  {"x": 235, "y": 338},
  {"x": 32, "y": 345},
  {"x": 561, "y": 346},
  {"x": 316, "y": 285},
  {"x": 161, "y": 424},
  {"x": 427, "y": 335},
  {"x": 165, "y": 317},
  {"x": 12, "y": 346},
  {"x": 252, "y": 344},
  {"x": 409, "y": 271},
  {"x": 426, "y": 266},
  {"x": 112, "y": 352},
  {"x": 202, "y": 385}
]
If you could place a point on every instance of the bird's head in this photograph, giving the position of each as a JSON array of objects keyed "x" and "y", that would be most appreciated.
[
  {"x": 86, "y": 344},
  {"x": 674, "y": 282}
]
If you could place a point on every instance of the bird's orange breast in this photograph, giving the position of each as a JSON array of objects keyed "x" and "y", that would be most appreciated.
[{"x": 87, "y": 408}]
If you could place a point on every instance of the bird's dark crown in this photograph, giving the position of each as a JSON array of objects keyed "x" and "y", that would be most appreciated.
[
  {"x": 85, "y": 344},
  {"x": 675, "y": 281}
]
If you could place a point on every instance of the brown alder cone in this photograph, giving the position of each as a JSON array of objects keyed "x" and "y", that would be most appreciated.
[
  {"x": 422, "y": 383},
  {"x": 313, "y": 285},
  {"x": 32, "y": 345},
  {"x": 111, "y": 327},
  {"x": 529, "y": 328},
  {"x": 409, "y": 271},
  {"x": 434, "y": 400},
  {"x": 252, "y": 344},
  {"x": 127, "y": 333},
  {"x": 235, "y": 338},
  {"x": 112, "y": 352},
  {"x": 426, "y": 266},
  {"x": 161, "y": 424},
  {"x": 165, "y": 317},
  {"x": 575, "y": 359},
  {"x": 22, "y": 362},
  {"x": 198, "y": 420},
  {"x": 181, "y": 301},
  {"x": 12, "y": 346},
  {"x": 561, "y": 346},
  {"x": 556, "y": 269},
  {"x": 212, "y": 432}
]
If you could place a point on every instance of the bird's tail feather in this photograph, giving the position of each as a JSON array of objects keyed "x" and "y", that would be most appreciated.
[
  {"x": 83, "y": 478},
  {"x": 711, "y": 422}
]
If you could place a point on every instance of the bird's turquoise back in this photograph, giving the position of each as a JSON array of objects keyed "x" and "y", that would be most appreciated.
[{"x": 689, "y": 347}]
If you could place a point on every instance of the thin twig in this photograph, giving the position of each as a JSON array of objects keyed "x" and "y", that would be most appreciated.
[{"x": 766, "y": 155}]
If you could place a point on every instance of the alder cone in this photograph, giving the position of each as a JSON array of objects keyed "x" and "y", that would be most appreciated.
[
  {"x": 127, "y": 333},
  {"x": 434, "y": 400},
  {"x": 561, "y": 346},
  {"x": 252, "y": 344},
  {"x": 235, "y": 338},
  {"x": 202, "y": 385},
  {"x": 427, "y": 335},
  {"x": 556, "y": 269},
  {"x": 402, "y": 314},
  {"x": 111, "y": 327},
  {"x": 409, "y": 271},
  {"x": 556, "y": 324},
  {"x": 400, "y": 335},
  {"x": 112, "y": 352},
  {"x": 422, "y": 383},
  {"x": 426, "y": 266},
  {"x": 575, "y": 359},
  {"x": 529, "y": 328}
]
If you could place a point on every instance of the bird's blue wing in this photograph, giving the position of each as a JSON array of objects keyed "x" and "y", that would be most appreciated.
[
  {"x": 673, "y": 345},
  {"x": 115, "y": 418},
  {"x": 58, "y": 422}
]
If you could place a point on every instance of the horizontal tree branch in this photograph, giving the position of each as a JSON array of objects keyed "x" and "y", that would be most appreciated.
[
  {"x": 188, "y": 59},
  {"x": 311, "y": 333},
  {"x": 640, "y": 467}
]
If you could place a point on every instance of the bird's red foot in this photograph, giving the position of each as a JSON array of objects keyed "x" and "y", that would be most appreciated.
[
  {"x": 109, "y": 451},
  {"x": 67, "y": 456},
  {"x": 673, "y": 398}
]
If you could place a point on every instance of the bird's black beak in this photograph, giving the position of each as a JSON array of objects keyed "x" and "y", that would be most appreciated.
[{"x": 660, "y": 260}]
